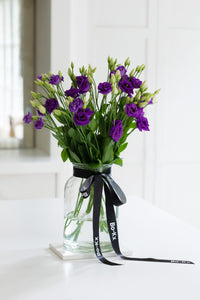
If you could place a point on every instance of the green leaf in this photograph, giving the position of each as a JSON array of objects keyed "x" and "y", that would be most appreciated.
[
  {"x": 83, "y": 154},
  {"x": 108, "y": 154},
  {"x": 74, "y": 157},
  {"x": 72, "y": 133},
  {"x": 118, "y": 161},
  {"x": 122, "y": 147},
  {"x": 64, "y": 154},
  {"x": 133, "y": 125},
  {"x": 93, "y": 125}
]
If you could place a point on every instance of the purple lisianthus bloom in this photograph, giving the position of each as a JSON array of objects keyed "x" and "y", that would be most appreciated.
[
  {"x": 39, "y": 77},
  {"x": 89, "y": 112},
  {"x": 39, "y": 123},
  {"x": 104, "y": 88},
  {"x": 51, "y": 104},
  {"x": 83, "y": 84},
  {"x": 75, "y": 105},
  {"x": 39, "y": 113},
  {"x": 126, "y": 86},
  {"x": 27, "y": 118},
  {"x": 136, "y": 83},
  {"x": 132, "y": 110},
  {"x": 72, "y": 92},
  {"x": 116, "y": 130},
  {"x": 55, "y": 79},
  {"x": 122, "y": 70},
  {"x": 142, "y": 123},
  {"x": 81, "y": 117}
]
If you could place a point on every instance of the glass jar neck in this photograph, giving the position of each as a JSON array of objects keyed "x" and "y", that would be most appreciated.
[{"x": 92, "y": 168}]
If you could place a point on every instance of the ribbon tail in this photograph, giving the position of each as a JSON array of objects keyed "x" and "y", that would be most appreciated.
[
  {"x": 98, "y": 187},
  {"x": 113, "y": 232}
]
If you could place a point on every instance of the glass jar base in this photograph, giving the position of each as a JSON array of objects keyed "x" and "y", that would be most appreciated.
[{"x": 86, "y": 247}]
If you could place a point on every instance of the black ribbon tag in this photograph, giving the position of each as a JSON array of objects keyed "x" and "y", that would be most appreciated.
[{"x": 113, "y": 196}]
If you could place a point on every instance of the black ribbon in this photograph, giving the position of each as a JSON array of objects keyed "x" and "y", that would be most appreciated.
[{"x": 114, "y": 196}]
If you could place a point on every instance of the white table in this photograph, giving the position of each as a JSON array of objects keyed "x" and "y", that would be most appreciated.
[{"x": 29, "y": 270}]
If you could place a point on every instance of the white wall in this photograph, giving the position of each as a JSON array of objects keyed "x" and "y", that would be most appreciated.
[
  {"x": 177, "y": 123},
  {"x": 163, "y": 165}
]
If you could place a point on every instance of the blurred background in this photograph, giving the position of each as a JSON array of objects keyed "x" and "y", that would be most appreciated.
[{"x": 162, "y": 166}]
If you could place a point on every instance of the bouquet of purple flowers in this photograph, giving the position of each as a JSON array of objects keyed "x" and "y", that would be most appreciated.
[{"x": 92, "y": 122}]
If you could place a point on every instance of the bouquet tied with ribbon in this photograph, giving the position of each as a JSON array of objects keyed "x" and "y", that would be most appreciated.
[{"x": 91, "y": 123}]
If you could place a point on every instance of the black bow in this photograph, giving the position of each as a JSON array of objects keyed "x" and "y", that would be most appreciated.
[{"x": 114, "y": 196}]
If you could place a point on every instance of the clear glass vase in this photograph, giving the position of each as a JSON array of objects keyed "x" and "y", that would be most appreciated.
[{"x": 78, "y": 218}]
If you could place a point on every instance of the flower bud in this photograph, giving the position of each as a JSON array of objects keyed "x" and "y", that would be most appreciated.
[
  {"x": 111, "y": 64},
  {"x": 143, "y": 87},
  {"x": 35, "y": 96},
  {"x": 142, "y": 67},
  {"x": 132, "y": 73},
  {"x": 128, "y": 99},
  {"x": 142, "y": 104},
  {"x": 114, "y": 90},
  {"x": 137, "y": 96},
  {"x": 57, "y": 112},
  {"x": 90, "y": 79},
  {"x": 70, "y": 99},
  {"x": 84, "y": 103},
  {"x": 156, "y": 92},
  {"x": 35, "y": 103},
  {"x": 127, "y": 62},
  {"x": 137, "y": 69},
  {"x": 72, "y": 65},
  {"x": 34, "y": 118},
  {"x": 147, "y": 96},
  {"x": 60, "y": 74},
  {"x": 42, "y": 109},
  {"x": 112, "y": 78},
  {"x": 69, "y": 72},
  {"x": 39, "y": 82},
  {"x": 118, "y": 75},
  {"x": 109, "y": 59}
]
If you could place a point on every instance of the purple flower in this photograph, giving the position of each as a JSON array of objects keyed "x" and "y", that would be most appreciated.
[
  {"x": 105, "y": 88},
  {"x": 39, "y": 77},
  {"x": 133, "y": 111},
  {"x": 116, "y": 130},
  {"x": 89, "y": 112},
  {"x": 122, "y": 70},
  {"x": 39, "y": 123},
  {"x": 75, "y": 105},
  {"x": 55, "y": 79},
  {"x": 83, "y": 84},
  {"x": 136, "y": 83},
  {"x": 72, "y": 92},
  {"x": 39, "y": 113},
  {"x": 51, "y": 104},
  {"x": 27, "y": 118},
  {"x": 142, "y": 123},
  {"x": 126, "y": 86},
  {"x": 82, "y": 117}
]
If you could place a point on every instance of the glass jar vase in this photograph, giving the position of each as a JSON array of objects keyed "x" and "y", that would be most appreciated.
[{"x": 78, "y": 216}]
